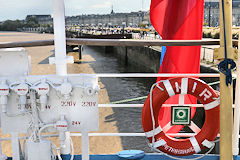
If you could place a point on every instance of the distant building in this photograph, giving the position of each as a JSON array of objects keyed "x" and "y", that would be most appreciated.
[
  {"x": 211, "y": 17},
  {"x": 42, "y": 19},
  {"x": 211, "y": 12},
  {"x": 113, "y": 19},
  {"x": 72, "y": 20}
]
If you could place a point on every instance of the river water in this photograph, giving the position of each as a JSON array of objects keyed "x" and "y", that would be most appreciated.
[{"x": 127, "y": 119}]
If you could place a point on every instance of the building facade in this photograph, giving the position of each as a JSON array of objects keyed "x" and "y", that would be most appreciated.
[
  {"x": 113, "y": 19},
  {"x": 134, "y": 19},
  {"x": 211, "y": 12}
]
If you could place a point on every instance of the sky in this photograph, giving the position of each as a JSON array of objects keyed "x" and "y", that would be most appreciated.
[{"x": 19, "y": 9}]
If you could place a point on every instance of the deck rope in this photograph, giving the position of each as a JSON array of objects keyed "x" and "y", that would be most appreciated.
[{"x": 226, "y": 65}]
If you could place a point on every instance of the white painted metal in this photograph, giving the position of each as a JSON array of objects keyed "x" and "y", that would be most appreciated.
[
  {"x": 10, "y": 122},
  {"x": 39, "y": 150},
  {"x": 14, "y": 61},
  {"x": 237, "y": 111},
  {"x": 119, "y": 105},
  {"x": 85, "y": 145},
  {"x": 65, "y": 150},
  {"x": 59, "y": 36},
  {"x": 130, "y": 134},
  {"x": 78, "y": 108},
  {"x": 78, "y": 103},
  {"x": 142, "y": 75},
  {"x": 15, "y": 146},
  {"x": 111, "y": 134},
  {"x": 60, "y": 49},
  {"x": 141, "y": 105}
]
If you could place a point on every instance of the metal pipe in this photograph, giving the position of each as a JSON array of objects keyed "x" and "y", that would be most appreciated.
[
  {"x": 85, "y": 145},
  {"x": 132, "y": 134},
  {"x": 141, "y": 105},
  {"x": 60, "y": 53},
  {"x": 134, "y": 42},
  {"x": 142, "y": 75},
  {"x": 59, "y": 36},
  {"x": 114, "y": 42}
]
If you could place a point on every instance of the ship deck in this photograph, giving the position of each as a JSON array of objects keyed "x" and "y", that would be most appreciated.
[{"x": 151, "y": 157}]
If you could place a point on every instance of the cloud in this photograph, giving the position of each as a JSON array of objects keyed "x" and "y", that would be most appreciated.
[{"x": 106, "y": 4}]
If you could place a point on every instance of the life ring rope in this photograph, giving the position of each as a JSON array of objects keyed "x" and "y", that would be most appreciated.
[{"x": 182, "y": 89}]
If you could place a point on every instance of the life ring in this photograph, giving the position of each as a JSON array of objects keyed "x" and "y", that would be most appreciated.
[{"x": 182, "y": 147}]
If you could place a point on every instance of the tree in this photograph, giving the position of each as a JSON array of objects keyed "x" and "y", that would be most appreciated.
[{"x": 10, "y": 25}]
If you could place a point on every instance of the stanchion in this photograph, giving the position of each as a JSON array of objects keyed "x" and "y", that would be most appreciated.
[{"x": 226, "y": 54}]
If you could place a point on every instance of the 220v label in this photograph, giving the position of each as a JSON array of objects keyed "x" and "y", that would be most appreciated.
[
  {"x": 74, "y": 104},
  {"x": 89, "y": 104}
]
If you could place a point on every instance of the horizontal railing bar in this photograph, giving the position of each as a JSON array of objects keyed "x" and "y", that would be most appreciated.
[
  {"x": 143, "y": 75},
  {"x": 141, "y": 105},
  {"x": 134, "y": 42},
  {"x": 114, "y": 42},
  {"x": 27, "y": 44},
  {"x": 111, "y": 134},
  {"x": 134, "y": 134},
  {"x": 119, "y": 105}
]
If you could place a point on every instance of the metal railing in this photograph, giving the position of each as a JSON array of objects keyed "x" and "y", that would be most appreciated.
[{"x": 116, "y": 42}]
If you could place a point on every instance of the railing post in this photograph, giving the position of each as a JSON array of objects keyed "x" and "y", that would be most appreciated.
[
  {"x": 60, "y": 52},
  {"x": 15, "y": 146},
  {"x": 237, "y": 108},
  {"x": 59, "y": 36},
  {"x": 85, "y": 145}
]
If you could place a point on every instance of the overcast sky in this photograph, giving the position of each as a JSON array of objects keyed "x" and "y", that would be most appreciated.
[{"x": 18, "y": 9}]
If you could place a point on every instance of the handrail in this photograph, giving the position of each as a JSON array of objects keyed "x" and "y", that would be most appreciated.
[
  {"x": 144, "y": 75},
  {"x": 27, "y": 43},
  {"x": 124, "y": 105},
  {"x": 110, "y": 134},
  {"x": 141, "y": 105},
  {"x": 140, "y": 42},
  {"x": 115, "y": 42}
]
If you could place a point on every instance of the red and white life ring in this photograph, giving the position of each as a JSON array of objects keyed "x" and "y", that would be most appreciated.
[{"x": 182, "y": 147}]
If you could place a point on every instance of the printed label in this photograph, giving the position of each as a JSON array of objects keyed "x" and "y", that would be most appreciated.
[
  {"x": 89, "y": 104},
  {"x": 68, "y": 103},
  {"x": 75, "y": 123}
]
